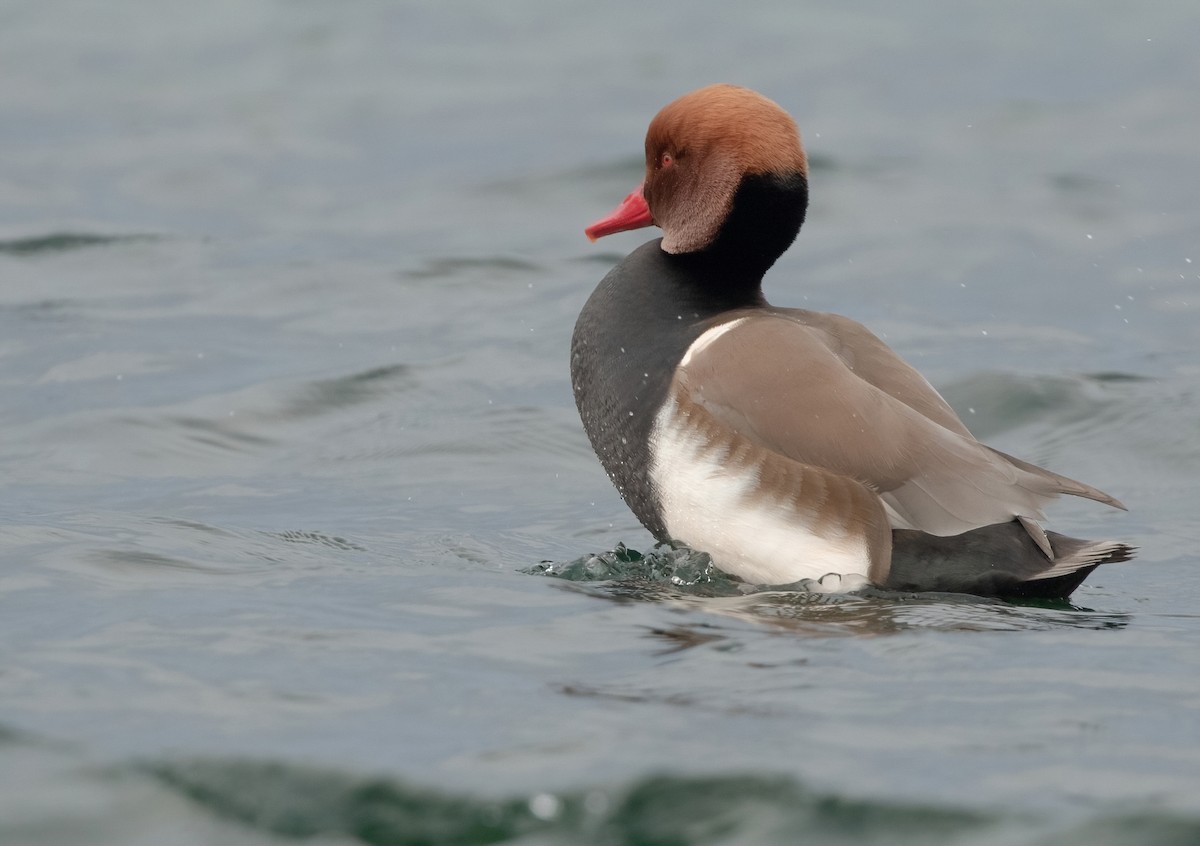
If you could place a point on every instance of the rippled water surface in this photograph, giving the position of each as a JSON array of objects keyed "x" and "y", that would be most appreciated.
[{"x": 300, "y": 536}]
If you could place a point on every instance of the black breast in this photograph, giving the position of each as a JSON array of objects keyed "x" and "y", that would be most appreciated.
[{"x": 629, "y": 338}]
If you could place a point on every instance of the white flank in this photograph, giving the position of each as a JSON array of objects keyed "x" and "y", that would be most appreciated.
[{"x": 714, "y": 507}]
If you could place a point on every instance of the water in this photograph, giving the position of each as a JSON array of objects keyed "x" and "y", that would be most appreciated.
[{"x": 285, "y": 298}]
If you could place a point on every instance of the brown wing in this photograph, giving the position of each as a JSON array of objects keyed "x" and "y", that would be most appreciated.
[
  {"x": 824, "y": 391},
  {"x": 874, "y": 362}
]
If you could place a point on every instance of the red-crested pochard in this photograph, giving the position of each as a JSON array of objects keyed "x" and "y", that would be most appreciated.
[{"x": 787, "y": 444}]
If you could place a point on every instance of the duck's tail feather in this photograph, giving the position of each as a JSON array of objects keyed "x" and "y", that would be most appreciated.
[{"x": 1000, "y": 560}]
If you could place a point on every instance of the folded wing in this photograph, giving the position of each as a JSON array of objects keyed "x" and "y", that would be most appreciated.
[{"x": 824, "y": 391}]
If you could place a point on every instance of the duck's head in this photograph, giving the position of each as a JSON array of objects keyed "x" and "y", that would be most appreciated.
[{"x": 725, "y": 170}]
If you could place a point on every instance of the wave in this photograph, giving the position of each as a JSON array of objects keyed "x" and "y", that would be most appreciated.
[
  {"x": 64, "y": 798},
  {"x": 306, "y": 802}
]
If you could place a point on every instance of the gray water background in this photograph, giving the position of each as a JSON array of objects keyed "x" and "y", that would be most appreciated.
[{"x": 286, "y": 291}]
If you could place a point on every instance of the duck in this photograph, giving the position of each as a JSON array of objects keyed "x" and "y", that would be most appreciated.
[{"x": 792, "y": 446}]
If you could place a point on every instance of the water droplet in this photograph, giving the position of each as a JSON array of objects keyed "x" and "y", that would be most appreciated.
[{"x": 544, "y": 806}]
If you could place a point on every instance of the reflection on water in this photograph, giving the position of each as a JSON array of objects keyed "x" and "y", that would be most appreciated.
[
  {"x": 890, "y": 614},
  {"x": 686, "y": 579}
]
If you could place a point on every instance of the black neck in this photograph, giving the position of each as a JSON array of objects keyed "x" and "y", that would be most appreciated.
[{"x": 763, "y": 221}]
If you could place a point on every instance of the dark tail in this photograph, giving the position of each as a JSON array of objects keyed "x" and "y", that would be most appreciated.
[{"x": 1001, "y": 560}]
